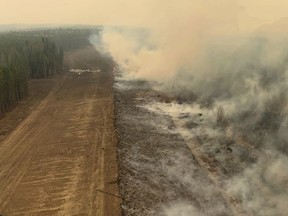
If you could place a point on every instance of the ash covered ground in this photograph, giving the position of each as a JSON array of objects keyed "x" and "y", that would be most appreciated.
[
  {"x": 181, "y": 155},
  {"x": 202, "y": 123}
]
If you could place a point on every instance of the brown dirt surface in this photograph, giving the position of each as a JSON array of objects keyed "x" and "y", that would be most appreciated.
[
  {"x": 38, "y": 90},
  {"x": 61, "y": 159}
]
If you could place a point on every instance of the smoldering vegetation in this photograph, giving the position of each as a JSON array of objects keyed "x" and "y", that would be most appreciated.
[
  {"x": 225, "y": 93},
  {"x": 155, "y": 164},
  {"x": 233, "y": 118}
]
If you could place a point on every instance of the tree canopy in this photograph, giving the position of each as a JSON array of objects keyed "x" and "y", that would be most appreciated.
[{"x": 23, "y": 58}]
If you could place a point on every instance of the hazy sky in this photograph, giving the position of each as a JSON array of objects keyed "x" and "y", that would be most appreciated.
[{"x": 123, "y": 12}]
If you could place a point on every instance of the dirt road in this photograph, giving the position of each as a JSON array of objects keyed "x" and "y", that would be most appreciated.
[{"x": 61, "y": 160}]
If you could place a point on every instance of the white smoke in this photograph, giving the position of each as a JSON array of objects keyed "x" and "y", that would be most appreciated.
[{"x": 198, "y": 46}]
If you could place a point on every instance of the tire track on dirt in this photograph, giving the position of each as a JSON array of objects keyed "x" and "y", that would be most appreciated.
[
  {"x": 12, "y": 172},
  {"x": 63, "y": 155}
]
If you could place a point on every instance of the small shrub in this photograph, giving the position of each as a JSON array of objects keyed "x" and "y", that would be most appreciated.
[{"x": 220, "y": 117}]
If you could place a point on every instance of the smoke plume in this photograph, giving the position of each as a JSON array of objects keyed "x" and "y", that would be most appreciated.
[{"x": 201, "y": 47}]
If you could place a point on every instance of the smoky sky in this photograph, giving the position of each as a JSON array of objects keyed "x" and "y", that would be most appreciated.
[{"x": 248, "y": 13}]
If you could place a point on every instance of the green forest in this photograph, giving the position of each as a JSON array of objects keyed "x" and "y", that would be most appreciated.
[
  {"x": 34, "y": 54},
  {"x": 22, "y": 59}
]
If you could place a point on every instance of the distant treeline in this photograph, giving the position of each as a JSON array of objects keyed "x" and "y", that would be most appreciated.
[
  {"x": 34, "y": 54},
  {"x": 23, "y": 58},
  {"x": 68, "y": 38}
]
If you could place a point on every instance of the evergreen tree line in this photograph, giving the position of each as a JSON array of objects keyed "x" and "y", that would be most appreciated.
[
  {"x": 21, "y": 60},
  {"x": 68, "y": 38}
]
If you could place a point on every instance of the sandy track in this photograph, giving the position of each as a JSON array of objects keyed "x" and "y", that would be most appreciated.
[{"x": 61, "y": 160}]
